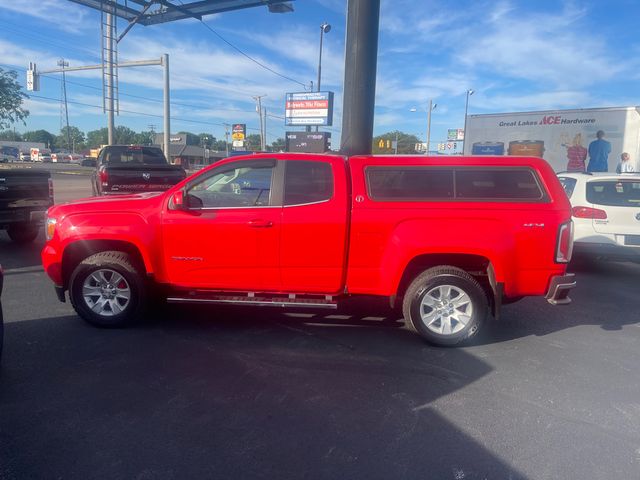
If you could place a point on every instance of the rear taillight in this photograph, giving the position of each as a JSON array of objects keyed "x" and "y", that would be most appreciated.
[
  {"x": 564, "y": 247},
  {"x": 104, "y": 176},
  {"x": 51, "y": 190},
  {"x": 588, "y": 212}
]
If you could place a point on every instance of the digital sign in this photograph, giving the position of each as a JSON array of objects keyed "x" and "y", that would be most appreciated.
[{"x": 309, "y": 108}]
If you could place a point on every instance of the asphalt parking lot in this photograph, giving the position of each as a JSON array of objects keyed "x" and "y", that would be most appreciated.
[{"x": 545, "y": 393}]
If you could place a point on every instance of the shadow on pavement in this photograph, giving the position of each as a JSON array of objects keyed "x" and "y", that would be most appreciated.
[
  {"x": 235, "y": 396},
  {"x": 13, "y": 255}
]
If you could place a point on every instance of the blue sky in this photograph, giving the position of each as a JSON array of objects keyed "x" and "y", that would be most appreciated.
[{"x": 515, "y": 55}]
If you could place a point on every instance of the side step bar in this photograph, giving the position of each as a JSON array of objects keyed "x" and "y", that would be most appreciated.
[{"x": 288, "y": 301}]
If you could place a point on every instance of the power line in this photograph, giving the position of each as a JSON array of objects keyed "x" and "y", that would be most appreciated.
[
  {"x": 247, "y": 55},
  {"x": 156, "y": 100},
  {"x": 133, "y": 112}
]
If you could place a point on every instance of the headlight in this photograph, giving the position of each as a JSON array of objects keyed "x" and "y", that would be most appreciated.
[{"x": 50, "y": 227}]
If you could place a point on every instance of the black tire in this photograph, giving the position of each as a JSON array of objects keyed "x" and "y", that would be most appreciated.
[
  {"x": 104, "y": 281},
  {"x": 466, "y": 302},
  {"x": 23, "y": 233}
]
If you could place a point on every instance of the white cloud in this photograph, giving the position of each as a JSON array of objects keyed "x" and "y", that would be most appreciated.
[{"x": 59, "y": 14}]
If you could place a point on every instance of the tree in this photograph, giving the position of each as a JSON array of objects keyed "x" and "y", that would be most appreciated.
[
  {"x": 77, "y": 138},
  {"x": 95, "y": 138},
  {"x": 252, "y": 142},
  {"x": 11, "y": 98},
  {"x": 144, "y": 138},
  {"x": 384, "y": 143},
  {"x": 219, "y": 146},
  {"x": 10, "y": 136},
  {"x": 206, "y": 140},
  {"x": 41, "y": 136},
  {"x": 123, "y": 135},
  {"x": 278, "y": 145}
]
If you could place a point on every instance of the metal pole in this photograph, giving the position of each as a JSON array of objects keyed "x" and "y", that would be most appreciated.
[
  {"x": 361, "y": 55},
  {"x": 110, "y": 119},
  {"x": 264, "y": 141},
  {"x": 167, "y": 108},
  {"x": 259, "y": 110},
  {"x": 63, "y": 64},
  {"x": 466, "y": 108},
  {"x": 396, "y": 152},
  {"x": 429, "y": 125},
  {"x": 226, "y": 137},
  {"x": 320, "y": 63}
]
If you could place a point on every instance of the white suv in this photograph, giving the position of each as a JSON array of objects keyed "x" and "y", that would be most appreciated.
[{"x": 606, "y": 213}]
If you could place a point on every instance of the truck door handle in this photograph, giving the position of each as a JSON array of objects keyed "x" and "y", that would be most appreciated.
[{"x": 260, "y": 223}]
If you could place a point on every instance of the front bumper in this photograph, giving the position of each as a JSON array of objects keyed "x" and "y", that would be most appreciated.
[{"x": 558, "y": 292}]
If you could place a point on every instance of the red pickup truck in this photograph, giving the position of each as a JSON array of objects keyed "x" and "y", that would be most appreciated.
[{"x": 449, "y": 239}]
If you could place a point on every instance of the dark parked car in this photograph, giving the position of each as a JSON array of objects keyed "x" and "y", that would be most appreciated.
[
  {"x": 134, "y": 169},
  {"x": 88, "y": 162}
]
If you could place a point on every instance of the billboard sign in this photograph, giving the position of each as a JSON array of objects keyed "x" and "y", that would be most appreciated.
[
  {"x": 558, "y": 136},
  {"x": 309, "y": 108},
  {"x": 307, "y": 142},
  {"x": 239, "y": 131}
]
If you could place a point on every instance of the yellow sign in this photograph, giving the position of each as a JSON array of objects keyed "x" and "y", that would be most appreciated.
[{"x": 237, "y": 135}]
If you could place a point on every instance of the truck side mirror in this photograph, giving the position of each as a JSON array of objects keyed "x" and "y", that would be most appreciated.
[{"x": 179, "y": 201}]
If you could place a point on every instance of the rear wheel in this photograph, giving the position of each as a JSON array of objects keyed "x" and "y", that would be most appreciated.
[
  {"x": 22, "y": 233},
  {"x": 107, "y": 290},
  {"x": 445, "y": 305}
]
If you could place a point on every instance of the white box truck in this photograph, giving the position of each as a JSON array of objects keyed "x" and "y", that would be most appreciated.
[{"x": 555, "y": 135}]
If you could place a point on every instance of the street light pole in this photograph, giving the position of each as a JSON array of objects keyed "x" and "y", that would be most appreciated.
[
  {"x": 466, "y": 109},
  {"x": 324, "y": 28},
  {"x": 431, "y": 108}
]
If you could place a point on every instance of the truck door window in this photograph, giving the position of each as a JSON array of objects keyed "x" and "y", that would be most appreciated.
[
  {"x": 243, "y": 185},
  {"x": 307, "y": 182}
]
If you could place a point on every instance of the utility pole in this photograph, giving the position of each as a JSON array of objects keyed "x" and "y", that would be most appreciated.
[
  {"x": 152, "y": 131},
  {"x": 167, "y": 107},
  {"x": 258, "y": 98},
  {"x": 264, "y": 137},
  {"x": 361, "y": 56},
  {"x": 107, "y": 74},
  {"x": 64, "y": 108},
  {"x": 226, "y": 137}
]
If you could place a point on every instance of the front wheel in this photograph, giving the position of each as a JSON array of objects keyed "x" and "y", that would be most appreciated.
[
  {"x": 107, "y": 290},
  {"x": 445, "y": 305}
]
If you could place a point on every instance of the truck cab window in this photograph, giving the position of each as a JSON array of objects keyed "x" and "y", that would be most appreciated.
[
  {"x": 307, "y": 182},
  {"x": 241, "y": 186}
]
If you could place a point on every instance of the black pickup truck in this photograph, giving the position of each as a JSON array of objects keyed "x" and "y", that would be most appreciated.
[
  {"x": 125, "y": 169},
  {"x": 25, "y": 196}
]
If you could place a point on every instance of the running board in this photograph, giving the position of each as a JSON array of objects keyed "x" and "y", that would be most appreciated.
[{"x": 291, "y": 300}]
